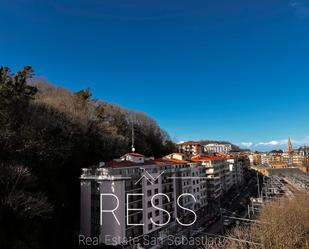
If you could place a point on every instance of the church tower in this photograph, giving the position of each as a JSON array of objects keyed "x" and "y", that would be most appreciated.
[{"x": 290, "y": 147}]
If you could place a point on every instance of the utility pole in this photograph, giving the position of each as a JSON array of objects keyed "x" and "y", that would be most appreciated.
[
  {"x": 221, "y": 217},
  {"x": 221, "y": 220},
  {"x": 133, "y": 148},
  {"x": 258, "y": 184}
]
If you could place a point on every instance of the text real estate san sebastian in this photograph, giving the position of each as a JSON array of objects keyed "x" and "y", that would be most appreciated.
[{"x": 134, "y": 196}]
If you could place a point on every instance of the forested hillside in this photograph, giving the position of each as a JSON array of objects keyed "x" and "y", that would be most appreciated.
[{"x": 47, "y": 134}]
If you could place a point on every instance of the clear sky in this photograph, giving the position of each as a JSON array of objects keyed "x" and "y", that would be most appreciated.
[{"x": 235, "y": 70}]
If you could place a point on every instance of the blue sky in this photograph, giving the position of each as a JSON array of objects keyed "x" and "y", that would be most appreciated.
[{"x": 233, "y": 70}]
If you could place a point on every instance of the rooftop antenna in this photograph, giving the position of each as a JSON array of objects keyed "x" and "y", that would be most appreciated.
[{"x": 133, "y": 149}]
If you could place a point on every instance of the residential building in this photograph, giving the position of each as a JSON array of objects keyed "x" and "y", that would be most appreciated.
[
  {"x": 275, "y": 157},
  {"x": 254, "y": 159},
  {"x": 265, "y": 158},
  {"x": 190, "y": 148},
  {"x": 286, "y": 158},
  {"x": 298, "y": 160},
  {"x": 215, "y": 167},
  {"x": 257, "y": 159},
  {"x": 236, "y": 170},
  {"x": 251, "y": 159},
  {"x": 302, "y": 151},
  {"x": 133, "y": 182},
  {"x": 217, "y": 148}
]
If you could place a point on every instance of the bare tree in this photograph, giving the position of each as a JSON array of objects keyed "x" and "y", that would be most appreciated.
[
  {"x": 16, "y": 184},
  {"x": 284, "y": 224}
]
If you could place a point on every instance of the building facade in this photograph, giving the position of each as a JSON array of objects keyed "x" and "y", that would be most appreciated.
[
  {"x": 217, "y": 148},
  {"x": 220, "y": 177},
  {"x": 147, "y": 196},
  {"x": 190, "y": 148}
]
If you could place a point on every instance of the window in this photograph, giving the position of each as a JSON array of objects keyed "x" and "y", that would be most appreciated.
[
  {"x": 149, "y": 192},
  {"x": 149, "y": 215},
  {"x": 156, "y": 191},
  {"x": 150, "y": 226},
  {"x": 157, "y": 212},
  {"x": 149, "y": 204}
]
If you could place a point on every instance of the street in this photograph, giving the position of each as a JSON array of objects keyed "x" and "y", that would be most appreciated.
[{"x": 234, "y": 203}]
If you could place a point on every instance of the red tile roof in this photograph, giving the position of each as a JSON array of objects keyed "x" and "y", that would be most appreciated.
[
  {"x": 173, "y": 160},
  {"x": 159, "y": 162},
  {"x": 213, "y": 157},
  {"x": 135, "y": 154}
]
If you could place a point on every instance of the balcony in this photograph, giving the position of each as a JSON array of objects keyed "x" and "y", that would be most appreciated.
[{"x": 86, "y": 172}]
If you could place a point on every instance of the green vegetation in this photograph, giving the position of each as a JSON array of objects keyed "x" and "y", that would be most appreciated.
[{"x": 47, "y": 134}]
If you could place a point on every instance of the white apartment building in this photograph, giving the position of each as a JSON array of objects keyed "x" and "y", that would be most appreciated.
[
  {"x": 215, "y": 169},
  {"x": 199, "y": 187},
  {"x": 217, "y": 148},
  {"x": 265, "y": 158},
  {"x": 236, "y": 170},
  {"x": 131, "y": 182},
  {"x": 229, "y": 178},
  {"x": 251, "y": 159},
  {"x": 222, "y": 172},
  {"x": 286, "y": 158},
  {"x": 193, "y": 181}
]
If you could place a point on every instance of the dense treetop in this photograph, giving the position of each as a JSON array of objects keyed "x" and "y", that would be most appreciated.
[{"x": 47, "y": 134}]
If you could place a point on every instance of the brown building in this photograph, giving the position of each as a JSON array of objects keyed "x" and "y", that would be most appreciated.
[{"x": 257, "y": 159}]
